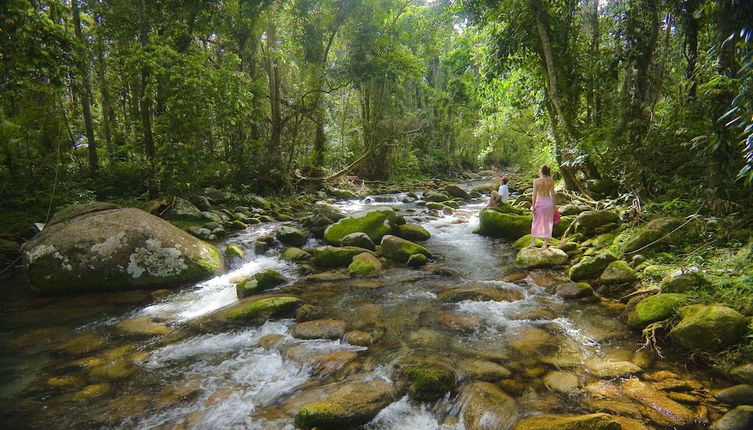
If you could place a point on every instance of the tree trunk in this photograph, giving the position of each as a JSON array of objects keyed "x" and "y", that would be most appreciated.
[
  {"x": 273, "y": 74},
  {"x": 691, "y": 46},
  {"x": 87, "y": 91},
  {"x": 594, "y": 52},
  {"x": 108, "y": 115},
  {"x": 145, "y": 108}
]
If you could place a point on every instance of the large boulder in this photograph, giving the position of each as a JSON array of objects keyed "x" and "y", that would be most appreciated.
[
  {"x": 332, "y": 256},
  {"x": 375, "y": 223},
  {"x": 599, "y": 421},
  {"x": 354, "y": 403},
  {"x": 365, "y": 263},
  {"x": 654, "y": 308},
  {"x": 595, "y": 222},
  {"x": 455, "y": 191},
  {"x": 656, "y": 235},
  {"x": 590, "y": 267},
  {"x": 291, "y": 236},
  {"x": 435, "y": 196},
  {"x": 540, "y": 257},
  {"x": 507, "y": 225},
  {"x": 76, "y": 210},
  {"x": 486, "y": 406},
  {"x": 708, "y": 327},
  {"x": 618, "y": 273},
  {"x": 412, "y": 232},
  {"x": 116, "y": 249},
  {"x": 400, "y": 249}
]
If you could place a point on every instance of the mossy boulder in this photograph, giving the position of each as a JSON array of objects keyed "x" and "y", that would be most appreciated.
[
  {"x": 116, "y": 249},
  {"x": 456, "y": 191},
  {"x": 590, "y": 267},
  {"x": 708, "y": 327},
  {"x": 294, "y": 254},
  {"x": 506, "y": 225},
  {"x": 485, "y": 403},
  {"x": 237, "y": 225},
  {"x": 506, "y": 208},
  {"x": 76, "y": 210},
  {"x": 565, "y": 221},
  {"x": 595, "y": 222},
  {"x": 598, "y": 421},
  {"x": 417, "y": 260},
  {"x": 436, "y": 196},
  {"x": 618, "y": 273},
  {"x": 412, "y": 232},
  {"x": 352, "y": 404},
  {"x": 401, "y": 250},
  {"x": 234, "y": 252},
  {"x": 358, "y": 239},
  {"x": 540, "y": 257},
  {"x": 291, "y": 236},
  {"x": 375, "y": 223},
  {"x": 654, "y": 308},
  {"x": 427, "y": 379},
  {"x": 526, "y": 241},
  {"x": 259, "y": 308},
  {"x": 656, "y": 235},
  {"x": 365, "y": 263},
  {"x": 332, "y": 256},
  {"x": 682, "y": 280},
  {"x": 259, "y": 283}
]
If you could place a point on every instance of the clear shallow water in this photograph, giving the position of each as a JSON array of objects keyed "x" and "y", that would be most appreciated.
[{"x": 194, "y": 379}]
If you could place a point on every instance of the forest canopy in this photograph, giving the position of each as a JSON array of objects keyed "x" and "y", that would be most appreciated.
[{"x": 135, "y": 99}]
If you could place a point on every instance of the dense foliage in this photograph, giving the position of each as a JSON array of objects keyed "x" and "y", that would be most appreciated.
[{"x": 125, "y": 99}]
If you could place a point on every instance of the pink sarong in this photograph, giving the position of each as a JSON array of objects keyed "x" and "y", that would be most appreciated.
[{"x": 543, "y": 217}]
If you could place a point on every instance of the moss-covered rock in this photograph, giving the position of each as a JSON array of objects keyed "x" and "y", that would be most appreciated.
[
  {"x": 506, "y": 225},
  {"x": 427, "y": 379},
  {"x": 234, "y": 252},
  {"x": 294, "y": 254},
  {"x": 485, "y": 403},
  {"x": 618, "y": 273},
  {"x": 593, "y": 222},
  {"x": 412, "y": 232},
  {"x": 417, "y": 260},
  {"x": 526, "y": 241},
  {"x": 259, "y": 283},
  {"x": 438, "y": 206},
  {"x": 708, "y": 327},
  {"x": 365, "y": 263},
  {"x": 291, "y": 236},
  {"x": 598, "y": 421},
  {"x": 435, "y": 196},
  {"x": 456, "y": 191},
  {"x": 590, "y": 267},
  {"x": 540, "y": 257},
  {"x": 237, "y": 225},
  {"x": 682, "y": 280},
  {"x": 331, "y": 256},
  {"x": 117, "y": 249},
  {"x": 352, "y": 404},
  {"x": 506, "y": 208},
  {"x": 358, "y": 239},
  {"x": 401, "y": 250},
  {"x": 260, "y": 308},
  {"x": 656, "y": 235},
  {"x": 73, "y": 211},
  {"x": 574, "y": 290},
  {"x": 375, "y": 223},
  {"x": 654, "y": 308},
  {"x": 559, "y": 229}
]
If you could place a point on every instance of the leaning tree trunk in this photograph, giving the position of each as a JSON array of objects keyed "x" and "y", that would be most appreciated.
[{"x": 87, "y": 92}]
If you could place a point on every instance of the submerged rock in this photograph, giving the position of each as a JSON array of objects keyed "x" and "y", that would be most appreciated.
[
  {"x": 590, "y": 267},
  {"x": 142, "y": 326},
  {"x": 375, "y": 223},
  {"x": 598, "y": 421},
  {"x": 412, "y": 232},
  {"x": 427, "y": 379},
  {"x": 483, "y": 370},
  {"x": 319, "y": 329},
  {"x": 562, "y": 382},
  {"x": 708, "y": 327},
  {"x": 610, "y": 368},
  {"x": 487, "y": 407},
  {"x": 400, "y": 249},
  {"x": 539, "y": 257},
  {"x": 506, "y": 225},
  {"x": 116, "y": 249},
  {"x": 365, "y": 263},
  {"x": 654, "y": 308},
  {"x": 352, "y": 404},
  {"x": 656, "y": 405}
]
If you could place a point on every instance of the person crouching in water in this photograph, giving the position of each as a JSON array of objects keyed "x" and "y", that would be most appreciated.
[
  {"x": 501, "y": 195},
  {"x": 543, "y": 207}
]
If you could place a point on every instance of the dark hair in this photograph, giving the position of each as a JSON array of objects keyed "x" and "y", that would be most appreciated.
[
  {"x": 504, "y": 179},
  {"x": 545, "y": 170}
]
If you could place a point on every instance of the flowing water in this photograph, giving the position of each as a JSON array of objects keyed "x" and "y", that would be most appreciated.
[{"x": 67, "y": 365}]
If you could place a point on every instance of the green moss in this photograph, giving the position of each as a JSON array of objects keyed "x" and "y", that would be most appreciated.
[
  {"x": 429, "y": 382},
  {"x": 375, "y": 224},
  {"x": 508, "y": 226},
  {"x": 654, "y": 308},
  {"x": 264, "y": 308},
  {"x": 412, "y": 232},
  {"x": 526, "y": 240},
  {"x": 364, "y": 263}
]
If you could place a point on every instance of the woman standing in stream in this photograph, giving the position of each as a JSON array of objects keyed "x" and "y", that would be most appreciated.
[{"x": 543, "y": 207}]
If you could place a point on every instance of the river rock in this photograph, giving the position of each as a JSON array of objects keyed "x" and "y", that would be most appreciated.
[
  {"x": 259, "y": 283},
  {"x": 487, "y": 407},
  {"x": 291, "y": 236},
  {"x": 400, "y": 249},
  {"x": 595, "y": 222},
  {"x": 573, "y": 290},
  {"x": 654, "y": 231},
  {"x": 427, "y": 378},
  {"x": 258, "y": 308},
  {"x": 294, "y": 254},
  {"x": 618, "y": 273},
  {"x": 656, "y": 405},
  {"x": 708, "y": 327},
  {"x": 331, "y": 256},
  {"x": 308, "y": 312},
  {"x": 365, "y": 263},
  {"x": 682, "y": 280},
  {"x": 412, "y": 232},
  {"x": 354, "y": 403},
  {"x": 456, "y": 191},
  {"x": 736, "y": 395},
  {"x": 598, "y": 421},
  {"x": 590, "y": 267},
  {"x": 417, "y": 260},
  {"x": 458, "y": 321},
  {"x": 142, "y": 326},
  {"x": 562, "y": 382},
  {"x": 529, "y": 340},
  {"x": 611, "y": 369},
  {"x": 506, "y": 225},
  {"x": 479, "y": 293},
  {"x": 359, "y": 338},
  {"x": 234, "y": 252},
  {"x": 435, "y": 196},
  {"x": 375, "y": 223},
  {"x": 91, "y": 391},
  {"x": 319, "y": 329},
  {"x": 740, "y": 418},
  {"x": 358, "y": 239},
  {"x": 483, "y": 370},
  {"x": 654, "y": 308},
  {"x": 743, "y": 373},
  {"x": 526, "y": 241},
  {"x": 116, "y": 249},
  {"x": 540, "y": 257}
]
